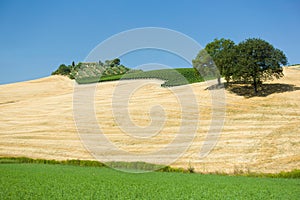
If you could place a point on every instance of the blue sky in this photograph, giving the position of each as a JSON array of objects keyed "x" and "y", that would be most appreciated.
[{"x": 37, "y": 36}]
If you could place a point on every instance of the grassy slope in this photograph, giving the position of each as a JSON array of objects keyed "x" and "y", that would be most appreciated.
[
  {"x": 36, "y": 181},
  {"x": 173, "y": 77}
]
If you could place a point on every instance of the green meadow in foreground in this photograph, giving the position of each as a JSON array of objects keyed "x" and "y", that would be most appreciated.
[{"x": 45, "y": 181}]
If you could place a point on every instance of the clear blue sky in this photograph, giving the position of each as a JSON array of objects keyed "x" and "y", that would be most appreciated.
[{"x": 37, "y": 36}]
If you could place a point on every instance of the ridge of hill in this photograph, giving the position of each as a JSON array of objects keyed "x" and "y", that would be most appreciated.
[{"x": 260, "y": 134}]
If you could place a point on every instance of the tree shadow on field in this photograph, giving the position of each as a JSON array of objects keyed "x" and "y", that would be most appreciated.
[{"x": 265, "y": 90}]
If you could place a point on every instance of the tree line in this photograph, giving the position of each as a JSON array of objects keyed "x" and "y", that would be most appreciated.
[
  {"x": 71, "y": 70},
  {"x": 251, "y": 61}
]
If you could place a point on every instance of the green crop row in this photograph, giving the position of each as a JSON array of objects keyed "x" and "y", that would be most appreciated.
[{"x": 172, "y": 77}]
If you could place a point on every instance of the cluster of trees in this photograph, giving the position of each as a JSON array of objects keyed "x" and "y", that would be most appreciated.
[
  {"x": 111, "y": 63},
  {"x": 71, "y": 70},
  {"x": 251, "y": 61},
  {"x": 65, "y": 70}
]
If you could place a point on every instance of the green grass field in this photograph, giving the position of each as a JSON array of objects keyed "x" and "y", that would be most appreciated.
[
  {"x": 45, "y": 181},
  {"x": 172, "y": 77}
]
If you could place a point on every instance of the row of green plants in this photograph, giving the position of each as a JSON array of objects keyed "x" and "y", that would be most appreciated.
[
  {"x": 87, "y": 80},
  {"x": 171, "y": 77},
  {"x": 143, "y": 166}
]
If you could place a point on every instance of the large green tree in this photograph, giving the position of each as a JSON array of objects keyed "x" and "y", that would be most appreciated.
[
  {"x": 222, "y": 51},
  {"x": 258, "y": 61}
]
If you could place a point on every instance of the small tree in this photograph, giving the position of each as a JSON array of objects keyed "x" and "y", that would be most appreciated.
[
  {"x": 116, "y": 61},
  {"x": 205, "y": 65},
  {"x": 258, "y": 61},
  {"x": 62, "y": 70}
]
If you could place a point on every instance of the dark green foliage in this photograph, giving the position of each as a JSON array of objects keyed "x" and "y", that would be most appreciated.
[
  {"x": 258, "y": 61},
  {"x": 251, "y": 61},
  {"x": 110, "y": 78},
  {"x": 222, "y": 51},
  {"x": 172, "y": 77},
  {"x": 62, "y": 70},
  {"x": 116, "y": 62},
  {"x": 191, "y": 169},
  {"x": 191, "y": 75},
  {"x": 38, "y": 181},
  {"x": 216, "y": 59}
]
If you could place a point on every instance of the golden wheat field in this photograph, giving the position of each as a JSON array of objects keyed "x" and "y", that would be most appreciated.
[{"x": 258, "y": 134}]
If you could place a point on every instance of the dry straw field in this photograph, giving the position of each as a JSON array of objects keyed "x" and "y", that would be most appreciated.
[{"x": 260, "y": 133}]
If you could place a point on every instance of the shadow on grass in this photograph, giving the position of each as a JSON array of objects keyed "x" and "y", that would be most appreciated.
[{"x": 247, "y": 90}]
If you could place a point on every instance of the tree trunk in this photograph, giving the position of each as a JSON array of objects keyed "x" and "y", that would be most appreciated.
[
  {"x": 255, "y": 85},
  {"x": 227, "y": 80},
  {"x": 219, "y": 80}
]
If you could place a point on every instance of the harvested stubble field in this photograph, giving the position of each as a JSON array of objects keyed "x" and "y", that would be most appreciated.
[{"x": 260, "y": 134}]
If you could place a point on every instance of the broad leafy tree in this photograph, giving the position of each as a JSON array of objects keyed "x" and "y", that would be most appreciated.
[
  {"x": 252, "y": 61},
  {"x": 258, "y": 61}
]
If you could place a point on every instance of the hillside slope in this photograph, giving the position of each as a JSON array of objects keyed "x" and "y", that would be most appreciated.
[{"x": 259, "y": 134}]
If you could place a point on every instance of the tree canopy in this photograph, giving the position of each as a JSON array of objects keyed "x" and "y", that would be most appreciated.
[
  {"x": 62, "y": 70},
  {"x": 253, "y": 60},
  {"x": 222, "y": 53},
  {"x": 258, "y": 61}
]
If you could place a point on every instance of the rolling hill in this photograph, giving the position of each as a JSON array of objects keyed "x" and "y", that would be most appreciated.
[{"x": 260, "y": 134}]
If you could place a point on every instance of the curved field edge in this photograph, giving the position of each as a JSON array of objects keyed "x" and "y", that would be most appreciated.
[
  {"x": 142, "y": 167},
  {"x": 172, "y": 77},
  {"x": 39, "y": 181}
]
